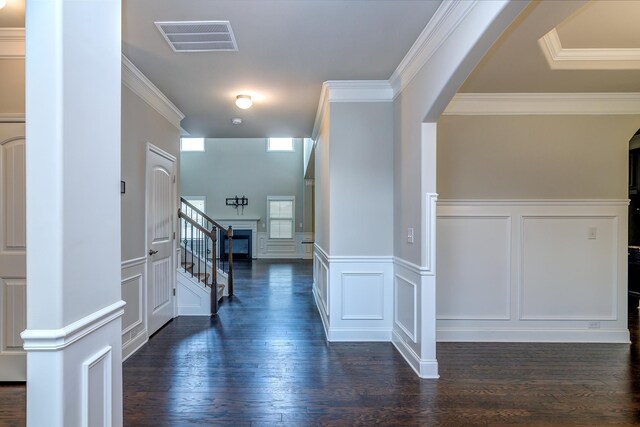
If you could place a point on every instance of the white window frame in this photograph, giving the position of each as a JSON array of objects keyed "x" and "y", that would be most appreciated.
[
  {"x": 274, "y": 150},
  {"x": 293, "y": 217},
  {"x": 204, "y": 146}
]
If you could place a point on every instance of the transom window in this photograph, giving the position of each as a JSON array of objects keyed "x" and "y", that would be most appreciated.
[
  {"x": 281, "y": 216},
  {"x": 280, "y": 144},
  {"x": 191, "y": 144}
]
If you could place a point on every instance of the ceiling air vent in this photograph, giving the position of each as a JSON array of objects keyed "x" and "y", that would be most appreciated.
[{"x": 198, "y": 36}]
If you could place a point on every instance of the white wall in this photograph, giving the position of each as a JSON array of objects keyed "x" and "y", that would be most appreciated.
[
  {"x": 142, "y": 123},
  {"x": 451, "y": 47},
  {"x": 322, "y": 187},
  {"x": 353, "y": 277},
  {"x": 516, "y": 261},
  {"x": 361, "y": 176},
  {"x": 532, "y": 271},
  {"x": 243, "y": 166},
  {"x": 534, "y": 157}
]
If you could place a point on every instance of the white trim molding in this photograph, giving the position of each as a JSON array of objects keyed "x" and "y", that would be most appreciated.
[
  {"x": 562, "y": 58},
  {"x": 509, "y": 104},
  {"x": 135, "y": 80},
  {"x": 99, "y": 361},
  {"x": 532, "y": 270},
  {"x": 533, "y": 202},
  {"x": 58, "y": 339},
  {"x": 133, "y": 262},
  {"x": 12, "y": 43},
  {"x": 440, "y": 26},
  {"x": 425, "y": 368},
  {"x": 350, "y": 91},
  {"x": 12, "y": 118}
]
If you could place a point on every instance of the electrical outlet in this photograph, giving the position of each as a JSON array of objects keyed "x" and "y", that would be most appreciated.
[
  {"x": 410, "y": 235},
  {"x": 593, "y": 325},
  {"x": 593, "y": 233}
]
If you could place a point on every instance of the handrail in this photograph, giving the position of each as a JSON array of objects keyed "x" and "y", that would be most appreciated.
[
  {"x": 200, "y": 241},
  {"x": 204, "y": 215},
  {"x": 195, "y": 224}
]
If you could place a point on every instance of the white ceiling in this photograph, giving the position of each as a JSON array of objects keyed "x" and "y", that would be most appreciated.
[{"x": 287, "y": 48}]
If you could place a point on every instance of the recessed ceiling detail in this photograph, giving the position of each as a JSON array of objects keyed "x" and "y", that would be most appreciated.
[
  {"x": 198, "y": 36},
  {"x": 561, "y": 58}
]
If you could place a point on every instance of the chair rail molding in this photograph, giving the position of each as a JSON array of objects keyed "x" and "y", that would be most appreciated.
[{"x": 58, "y": 339}]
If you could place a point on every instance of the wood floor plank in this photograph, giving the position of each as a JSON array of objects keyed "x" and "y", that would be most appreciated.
[{"x": 264, "y": 361}]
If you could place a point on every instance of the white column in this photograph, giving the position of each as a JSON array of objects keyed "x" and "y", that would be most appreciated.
[
  {"x": 428, "y": 149},
  {"x": 74, "y": 362}
]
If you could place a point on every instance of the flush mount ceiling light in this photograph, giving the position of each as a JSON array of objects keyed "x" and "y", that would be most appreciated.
[
  {"x": 242, "y": 101},
  {"x": 236, "y": 121}
]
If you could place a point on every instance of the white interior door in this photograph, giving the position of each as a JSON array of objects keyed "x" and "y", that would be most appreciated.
[
  {"x": 13, "y": 266},
  {"x": 161, "y": 211}
]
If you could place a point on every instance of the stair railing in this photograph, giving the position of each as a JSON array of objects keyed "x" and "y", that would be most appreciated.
[
  {"x": 211, "y": 252},
  {"x": 194, "y": 235}
]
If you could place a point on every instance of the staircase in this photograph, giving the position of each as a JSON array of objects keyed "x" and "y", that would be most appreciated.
[{"x": 200, "y": 269}]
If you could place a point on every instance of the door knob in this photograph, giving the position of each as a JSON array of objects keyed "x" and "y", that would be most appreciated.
[{"x": 152, "y": 252}]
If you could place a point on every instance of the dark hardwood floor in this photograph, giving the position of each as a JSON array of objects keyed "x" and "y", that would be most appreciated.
[{"x": 265, "y": 361}]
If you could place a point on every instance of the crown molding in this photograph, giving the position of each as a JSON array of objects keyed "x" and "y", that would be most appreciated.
[
  {"x": 358, "y": 90},
  {"x": 560, "y": 58},
  {"x": 509, "y": 104},
  {"x": 446, "y": 19},
  {"x": 350, "y": 91},
  {"x": 12, "y": 46},
  {"x": 135, "y": 80},
  {"x": 12, "y": 43}
]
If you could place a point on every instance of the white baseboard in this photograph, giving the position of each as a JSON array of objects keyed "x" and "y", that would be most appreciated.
[
  {"x": 134, "y": 345},
  {"x": 534, "y": 335},
  {"x": 424, "y": 368},
  {"x": 323, "y": 316},
  {"x": 337, "y": 334}
]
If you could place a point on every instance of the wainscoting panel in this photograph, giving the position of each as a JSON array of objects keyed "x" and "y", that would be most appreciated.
[
  {"x": 354, "y": 286},
  {"x": 474, "y": 267},
  {"x": 87, "y": 350},
  {"x": 285, "y": 249},
  {"x": 532, "y": 270},
  {"x": 577, "y": 280},
  {"x": 360, "y": 298},
  {"x": 406, "y": 306},
  {"x": 414, "y": 316},
  {"x": 96, "y": 389},
  {"x": 321, "y": 285},
  {"x": 134, "y": 293}
]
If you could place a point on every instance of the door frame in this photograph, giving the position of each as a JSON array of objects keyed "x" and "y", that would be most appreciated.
[{"x": 159, "y": 151}]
